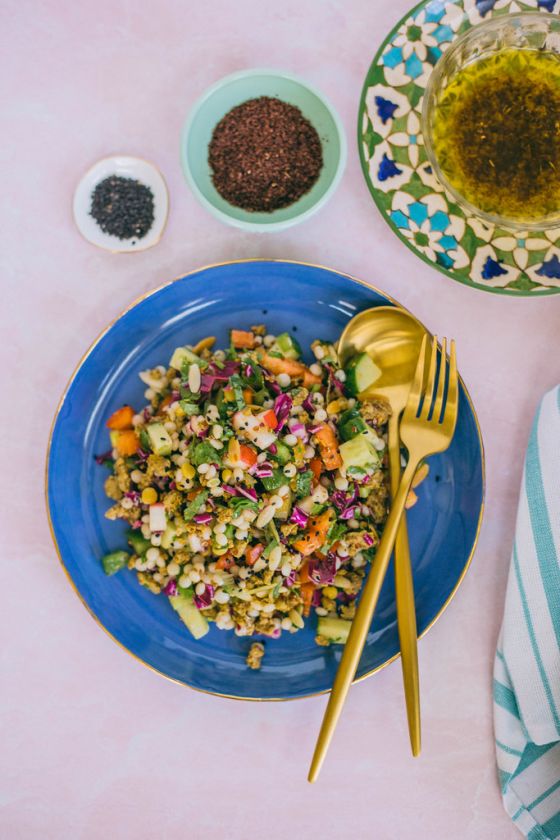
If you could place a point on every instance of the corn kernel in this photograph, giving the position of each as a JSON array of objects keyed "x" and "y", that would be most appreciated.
[
  {"x": 329, "y": 592},
  {"x": 149, "y": 496},
  {"x": 188, "y": 470},
  {"x": 337, "y": 406},
  {"x": 226, "y": 475}
]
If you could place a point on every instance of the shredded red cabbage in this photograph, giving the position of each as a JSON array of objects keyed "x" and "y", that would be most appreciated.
[
  {"x": 308, "y": 405},
  {"x": 105, "y": 456},
  {"x": 314, "y": 429},
  {"x": 299, "y": 517},
  {"x": 273, "y": 449},
  {"x": 170, "y": 587},
  {"x": 263, "y": 470},
  {"x": 335, "y": 382},
  {"x": 213, "y": 375},
  {"x": 136, "y": 524},
  {"x": 282, "y": 407},
  {"x": 348, "y": 512},
  {"x": 316, "y": 599},
  {"x": 322, "y": 571},
  {"x": 248, "y": 492},
  {"x": 202, "y": 518},
  {"x": 368, "y": 539},
  {"x": 142, "y": 455},
  {"x": 227, "y": 488},
  {"x": 204, "y": 600},
  {"x": 290, "y": 579},
  {"x": 299, "y": 430},
  {"x": 133, "y": 495}
]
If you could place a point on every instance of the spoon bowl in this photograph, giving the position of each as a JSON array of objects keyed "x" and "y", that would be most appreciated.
[{"x": 392, "y": 337}]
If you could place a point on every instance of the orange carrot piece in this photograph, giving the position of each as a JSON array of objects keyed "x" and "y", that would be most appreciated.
[
  {"x": 295, "y": 369},
  {"x": 315, "y": 533},
  {"x": 316, "y": 467},
  {"x": 224, "y": 562},
  {"x": 328, "y": 446},
  {"x": 121, "y": 419},
  {"x": 248, "y": 395},
  {"x": 242, "y": 340},
  {"x": 128, "y": 442}
]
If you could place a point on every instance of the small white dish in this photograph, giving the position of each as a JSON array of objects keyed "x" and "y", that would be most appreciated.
[{"x": 125, "y": 167}]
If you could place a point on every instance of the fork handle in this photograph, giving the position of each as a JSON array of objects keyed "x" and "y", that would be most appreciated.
[
  {"x": 361, "y": 622},
  {"x": 404, "y": 597}
]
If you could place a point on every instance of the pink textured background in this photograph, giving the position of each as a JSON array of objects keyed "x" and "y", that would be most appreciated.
[{"x": 94, "y": 745}]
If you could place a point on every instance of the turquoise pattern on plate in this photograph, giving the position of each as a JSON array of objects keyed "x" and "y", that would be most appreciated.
[
  {"x": 313, "y": 302},
  {"x": 401, "y": 179}
]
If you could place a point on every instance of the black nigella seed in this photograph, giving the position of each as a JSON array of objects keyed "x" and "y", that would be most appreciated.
[{"x": 123, "y": 207}]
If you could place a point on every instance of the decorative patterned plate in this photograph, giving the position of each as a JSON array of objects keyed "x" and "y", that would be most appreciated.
[
  {"x": 401, "y": 180},
  {"x": 313, "y": 301}
]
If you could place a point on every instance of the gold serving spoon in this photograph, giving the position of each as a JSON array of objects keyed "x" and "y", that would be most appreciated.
[
  {"x": 392, "y": 338},
  {"x": 427, "y": 426}
]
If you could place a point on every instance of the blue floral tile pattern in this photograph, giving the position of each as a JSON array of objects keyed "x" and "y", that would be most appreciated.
[{"x": 401, "y": 180}]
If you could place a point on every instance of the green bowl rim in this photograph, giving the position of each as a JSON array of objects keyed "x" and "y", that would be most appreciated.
[{"x": 263, "y": 227}]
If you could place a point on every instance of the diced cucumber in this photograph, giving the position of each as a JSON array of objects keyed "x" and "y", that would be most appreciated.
[
  {"x": 287, "y": 346},
  {"x": 137, "y": 542},
  {"x": 114, "y": 561},
  {"x": 160, "y": 440},
  {"x": 168, "y": 535},
  {"x": 283, "y": 453},
  {"x": 336, "y": 630},
  {"x": 189, "y": 408},
  {"x": 204, "y": 453},
  {"x": 283, "y": 512},
  {"x": 188, "y": 612},
  {"x": 351, "y": 424},
  {"x": 358, "y": 452},
  {"x": 182, "y": 355},
  {"x": 274, "y": 481},
  {"x": 361, "y": 372}
]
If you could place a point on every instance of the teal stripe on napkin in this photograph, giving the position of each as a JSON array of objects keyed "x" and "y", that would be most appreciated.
[{"x": 526, "y": 686}]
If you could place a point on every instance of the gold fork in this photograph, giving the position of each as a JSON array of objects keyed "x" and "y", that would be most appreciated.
[{"x": 427, "y": 426}]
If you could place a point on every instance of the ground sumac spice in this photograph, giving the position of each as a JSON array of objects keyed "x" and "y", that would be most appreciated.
[
  {"x": 264, "y": 154},
  {"x": 123, "y": 207}
]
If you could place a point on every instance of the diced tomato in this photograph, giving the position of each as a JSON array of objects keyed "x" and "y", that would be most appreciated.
[
  {"x": 121, "y": 419},
  {"x": 270, "y": 419},
  {"x": 252, "y": 553},
  {"x": 247, "y": 455},
  {"x": 243, "y": 340},
  {"x": 128, "y": 442}
]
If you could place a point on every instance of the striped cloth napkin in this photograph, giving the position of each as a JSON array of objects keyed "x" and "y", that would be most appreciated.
[{"x": 527, "y": 665}]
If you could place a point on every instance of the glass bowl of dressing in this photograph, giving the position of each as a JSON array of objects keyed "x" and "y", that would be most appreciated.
[{"x": 491, "y": 121}]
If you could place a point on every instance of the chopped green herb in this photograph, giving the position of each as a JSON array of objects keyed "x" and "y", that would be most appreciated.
[
  {"x": 303, "y": 483},
  {"x": 204, "y": 453},
  {"x": 195, "y": 506}
]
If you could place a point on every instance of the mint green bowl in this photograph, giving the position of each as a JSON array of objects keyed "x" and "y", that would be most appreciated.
[{"x": 232, "y": 91}]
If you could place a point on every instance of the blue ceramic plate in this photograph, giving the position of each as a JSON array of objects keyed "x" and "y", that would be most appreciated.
[{"x": 313, "y": 302}]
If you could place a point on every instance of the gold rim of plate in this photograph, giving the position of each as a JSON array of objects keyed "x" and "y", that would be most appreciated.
[{"x": 92, "y": 346}]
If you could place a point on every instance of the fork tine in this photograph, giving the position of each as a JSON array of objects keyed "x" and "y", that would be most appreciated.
[
  {"x": 441, "y": 383},
  {"x": 430, "y": 385},
  {"x": 413, "y": 401},
  {"x": 451, "y": 405}
]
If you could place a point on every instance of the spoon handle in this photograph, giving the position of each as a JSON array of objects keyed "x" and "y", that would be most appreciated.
[
  {"x": 361, "y": 623},
  {"x": 404, "y": 596}
]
